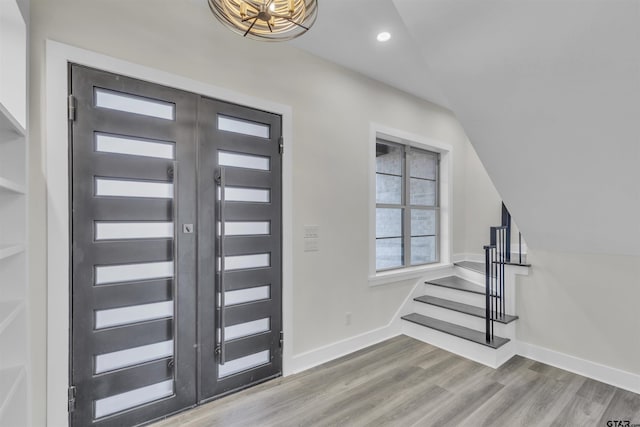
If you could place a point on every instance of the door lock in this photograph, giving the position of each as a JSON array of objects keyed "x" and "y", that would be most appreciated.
[{"x": 187, "y": 228}]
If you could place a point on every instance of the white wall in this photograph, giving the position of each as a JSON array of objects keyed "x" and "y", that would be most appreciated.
[
  {"x": 583, "y": 305},
  {"x": 332, "y": 111}
]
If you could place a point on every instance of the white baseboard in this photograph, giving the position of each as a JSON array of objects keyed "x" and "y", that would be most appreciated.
[
  {"x": 596, "y": 371},
  {"x": 324, "y": 354}
]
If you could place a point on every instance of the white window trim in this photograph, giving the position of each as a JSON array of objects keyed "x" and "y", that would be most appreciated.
[
  {"x": 56, "y": 163},
  {"x": 378, "y": 131}
]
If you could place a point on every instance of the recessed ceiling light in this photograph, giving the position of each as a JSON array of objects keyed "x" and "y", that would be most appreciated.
[{"x": 383, "y": 36}]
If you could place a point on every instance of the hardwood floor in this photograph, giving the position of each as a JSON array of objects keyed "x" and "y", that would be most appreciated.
[{"x": 404, "y": 382}]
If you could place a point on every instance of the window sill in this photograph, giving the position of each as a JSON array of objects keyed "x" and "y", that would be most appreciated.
[{"x": 394, "y": 276}]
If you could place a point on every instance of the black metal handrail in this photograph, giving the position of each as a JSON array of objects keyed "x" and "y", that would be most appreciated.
[{"x": 495, "y": 259}]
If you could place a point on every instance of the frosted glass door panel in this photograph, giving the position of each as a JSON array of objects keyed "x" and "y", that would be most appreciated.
[
  {"x": 241, "y": 194},
  {"x": 242, "y": 262},
  {"x": 246, "y": 161},
  {"x": 245, "y": 329},
  {"x": 134, "y": 104},
  {"x": 245, "y": 127},
  {"x": 133, "y": 356},
  {"x": 246, "y": 228},
  {"x": 133, "y": 272},
  {"x": 120, "y": 402},
  {"x": 244, "y": 363},
  {"x": 130, "y": 188},
  {"x": 133, "y": 314},
  {"x": 242, "y": 296},
  {"x": 133, "y": 230},
  {"x": 134, "y": 147}
]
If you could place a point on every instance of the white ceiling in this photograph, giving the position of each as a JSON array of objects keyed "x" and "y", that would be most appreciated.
[{"x": 547, "y": 91}]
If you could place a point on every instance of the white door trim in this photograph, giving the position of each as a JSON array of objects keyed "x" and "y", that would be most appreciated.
[{"x": 56, "y": 150}]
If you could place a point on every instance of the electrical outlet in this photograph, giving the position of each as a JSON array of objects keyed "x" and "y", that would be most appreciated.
[{"x": 347, "y": 318}]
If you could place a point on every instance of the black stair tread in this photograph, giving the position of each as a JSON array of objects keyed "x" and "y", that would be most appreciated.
[
  {"x": 471, "y": 265},
  {"x": 455, "y": 282},
  {"x": 456, "y": 330},
  {"x": 463, "y": 308},
  {"x": 524, "y": 264}
]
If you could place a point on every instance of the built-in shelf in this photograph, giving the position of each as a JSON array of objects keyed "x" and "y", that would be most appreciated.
[
  {"x": 8, "y": 251},
  {"x": 8, "y": 186},
  {"x": 9, "y": 381},
  {"x": 9, "y": 125},
  {"x": 9, "y": 310}
]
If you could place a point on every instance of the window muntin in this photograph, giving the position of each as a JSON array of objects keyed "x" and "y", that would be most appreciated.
[{"x": 407, "y": 206}]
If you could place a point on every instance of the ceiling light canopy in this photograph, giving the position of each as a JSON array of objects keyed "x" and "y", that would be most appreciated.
[
  {"x": 271, "y": 20},
  {"x": 383, "y": 36}
]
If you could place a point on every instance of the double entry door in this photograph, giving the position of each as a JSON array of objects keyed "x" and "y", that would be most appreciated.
[{"x": 176, "y": 248}]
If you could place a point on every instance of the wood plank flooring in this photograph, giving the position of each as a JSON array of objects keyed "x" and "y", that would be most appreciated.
[{"x": 404, "y": 382}]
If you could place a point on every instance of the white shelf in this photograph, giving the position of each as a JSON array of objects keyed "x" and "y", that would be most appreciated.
[
  {"x": 9, "y": 310},
  {"x": 10, "y": 128},
  {"x": 9, "y": 186},
  {"x": 9, "y": 381},
  {"x": 11, "y": 250}
]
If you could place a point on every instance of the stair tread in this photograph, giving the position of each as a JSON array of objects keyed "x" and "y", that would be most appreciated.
[
  {"x": 463, "y": 308},
  {"x": 455, "y": 282},
  {"x": 456, "y": 330},
  {"x": 471, "y": 265}
]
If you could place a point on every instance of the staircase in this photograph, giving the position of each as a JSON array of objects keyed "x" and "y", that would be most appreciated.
[{"x": 471, "y": 310}]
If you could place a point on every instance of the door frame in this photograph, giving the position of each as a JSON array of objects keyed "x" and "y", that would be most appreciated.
[{"x": 56, "y": 147}]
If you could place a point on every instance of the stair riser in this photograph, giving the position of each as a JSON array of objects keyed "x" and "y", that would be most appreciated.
[
  {"x": 455, "y": 295},
  {"x": 470, "y": 275},
  {"x": 477, "y": 352},
  {"x": 462, "y": 319}
]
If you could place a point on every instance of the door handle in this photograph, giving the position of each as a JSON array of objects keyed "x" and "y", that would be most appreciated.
[{"x": 221, "y": 350}]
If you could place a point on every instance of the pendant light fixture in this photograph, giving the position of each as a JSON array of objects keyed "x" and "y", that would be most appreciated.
[{"x": 271, "y": 20}]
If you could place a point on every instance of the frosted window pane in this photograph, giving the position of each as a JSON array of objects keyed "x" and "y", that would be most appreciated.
[
  {"x": 244, "y": 363},
  {"x": 133, "y": 356},
  {"x": 134, "y": 147},
  {"x": 139, "y": 396},
  {"x": 245, "y": 127},
  {"x": 246, "y": 228},
  {"x": 422, "y": 165},
  {"x": 388, "y": 222},
  {"x": 423, "y": 250},
  {"x": 133, "y": 230},
  {"x": 239, "y": 262},
  {"x": 246, "y": 295},
  {"x": 388, "y": 189},
  {"x": 389, "y": 253},
  {"x": 389, "y": 159},
  {"x": 129, "y": 188},
  {"x": 245, "y": 329},
  {"x": 243, "y": 161},
  {"x": 241, "y": 194},
  {"x": 133, "y": 314},
  {"x": 133, "y": 272},
  {"x": 423, "y": 192},
  {"x": 423, "y": 222},
  {"x": 134, "y": 104}
]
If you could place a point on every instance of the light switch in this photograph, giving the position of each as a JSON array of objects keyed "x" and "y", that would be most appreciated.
[{"x": 311, "y": 238}]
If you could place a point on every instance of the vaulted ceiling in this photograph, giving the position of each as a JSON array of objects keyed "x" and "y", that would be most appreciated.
[{"x": 547, "y": 91}]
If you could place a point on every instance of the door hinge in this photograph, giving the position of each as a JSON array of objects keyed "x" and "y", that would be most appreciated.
[
  {"x": 71, "y": 104},
  {"x": 281, "y": 145},
  {"x": 71, "y": 394},
  {"x": 281, "y": 339}
]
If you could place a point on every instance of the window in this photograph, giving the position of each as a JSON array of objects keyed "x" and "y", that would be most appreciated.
[{"x": 407, "y": 206}]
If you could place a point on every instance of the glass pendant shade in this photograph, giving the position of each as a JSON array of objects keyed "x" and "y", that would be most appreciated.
[{"x": 271, "y": 20}]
